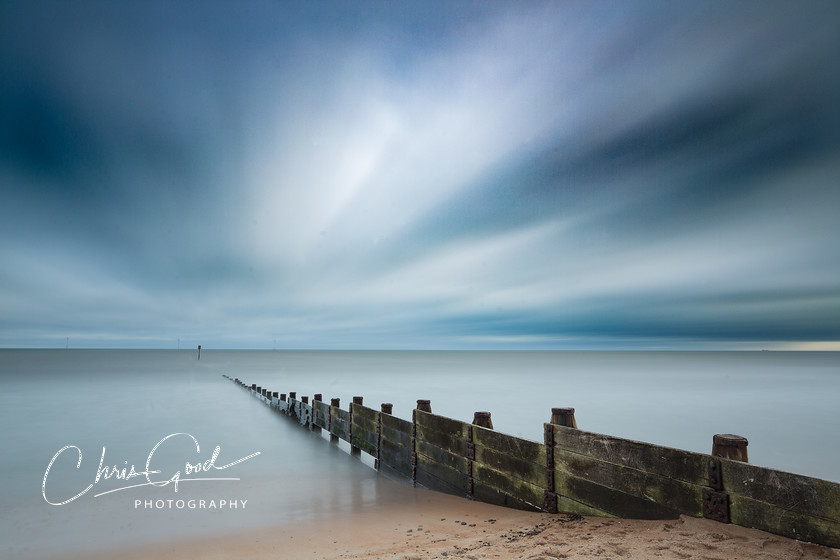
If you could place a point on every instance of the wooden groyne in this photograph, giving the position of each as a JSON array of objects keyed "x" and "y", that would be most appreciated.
[{"x": 574, "y": 471}]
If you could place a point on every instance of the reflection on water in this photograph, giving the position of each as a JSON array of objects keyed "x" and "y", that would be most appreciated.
[{"x": 127, "y": 401}]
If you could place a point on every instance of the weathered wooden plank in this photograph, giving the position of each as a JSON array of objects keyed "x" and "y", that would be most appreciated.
[
  {"x": 614, "y": 502},
  {"x": 514, "y": 487},
  {"x": 340, "y": 423},
  {"x": 396, "y": 433},
  {"x": 436, "y": 476},
  {"x": 671, "y": 493},
  {"x": 441, "y": 455},
  {"x": 363, "y": 423},
  {"x": 490, "y": 495},
  {"x": 510, "y": 445},
  {"x": 568, "y": 505},
  {"x": 454, "y": 443},
  {"x": 365, "y": 440},
  {"x": 320, "y": 414},
  {"x": 442, "y": 424},
  {"x": 794, "y": 492},
  {"x": 361, "y": 411},
  {"x": 305, "y": 413},
  {"x": 756, "y": 514},
  {"x": 396, "y": 457},
  {"x": 516, "y": 467},
  {"x": 671, "y": 463}
]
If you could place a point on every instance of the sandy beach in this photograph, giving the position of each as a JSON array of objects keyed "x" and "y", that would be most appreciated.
[{"x": 434, "y": 525}]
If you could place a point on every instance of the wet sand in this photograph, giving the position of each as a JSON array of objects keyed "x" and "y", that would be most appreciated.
[{"x": 434, "y": 525}]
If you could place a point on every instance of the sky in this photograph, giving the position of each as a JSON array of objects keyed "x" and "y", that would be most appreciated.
[{"x": 420, "y": 175}]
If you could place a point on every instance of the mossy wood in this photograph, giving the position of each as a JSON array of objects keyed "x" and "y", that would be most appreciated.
[
  {"x": 787, "y": 504},
  {"x": 365, "y": 440},
  {"x": 363, "y": 418},
  {"x": 396, "y": 430},
  {"x": 672, "y": 494},
  {"x": 455, "y": 429},
  {"x": 655, "y": 459},
  {"x": 526, "y": 495},
  {"x": 522, "y": 459},
  {"x": 340, "y": 423},
  {"x": 435, "y": 476},
  {"x": 395, "y": 456},
  {"x": 441, "y": 455},
  {"x": 320, "y": 414}
]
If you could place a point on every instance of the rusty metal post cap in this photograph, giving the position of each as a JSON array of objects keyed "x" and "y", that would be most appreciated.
[
  {"x": 358, "y": 400},
  {"x": 335, "y": 401}
]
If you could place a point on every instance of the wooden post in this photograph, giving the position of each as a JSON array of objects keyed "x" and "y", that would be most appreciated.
[
  {"x": 199, "y": 351},
  {"x": 387, "y": 408},
  {"x": 283, "y": 397},
  {"x": 549, "y": 494},
  {"x": 336, "y": 402},
  {"x": 304, "y": 400},
  {"x": 730, "y": 446},
  {"x": 563, "y": 417},
  {"x": 482, "y": 419},
  {"x": 354, "y": 451},
  {"x": 424, "y": 405},
  {"x": 317, "y": 398}
]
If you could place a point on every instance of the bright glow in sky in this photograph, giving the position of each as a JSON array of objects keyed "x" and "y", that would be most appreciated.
[{"x": 420, "y": 175}]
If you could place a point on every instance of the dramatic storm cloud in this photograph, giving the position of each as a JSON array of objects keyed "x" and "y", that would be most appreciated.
[{"x": 420, "y": 175}]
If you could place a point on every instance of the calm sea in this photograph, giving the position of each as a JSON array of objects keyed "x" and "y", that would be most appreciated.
[{"x": 127, "y": 402}]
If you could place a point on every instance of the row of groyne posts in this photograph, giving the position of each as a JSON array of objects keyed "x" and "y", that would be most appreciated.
[{"x": 572, "y": 470}]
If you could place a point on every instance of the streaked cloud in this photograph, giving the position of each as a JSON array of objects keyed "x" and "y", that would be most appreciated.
[{"x": 434, "y": 176}]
